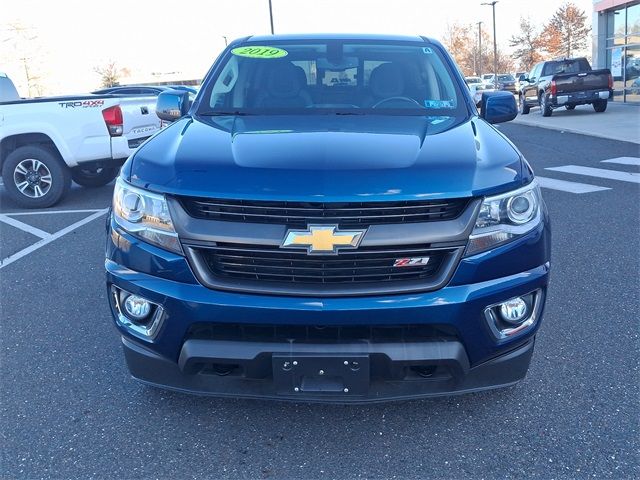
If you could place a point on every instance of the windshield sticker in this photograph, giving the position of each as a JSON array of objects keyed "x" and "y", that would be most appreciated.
[
  {"x": 427, "y": 50},
  {"x": 439, "y": 104},
  {"x": 259, "y": 52}
]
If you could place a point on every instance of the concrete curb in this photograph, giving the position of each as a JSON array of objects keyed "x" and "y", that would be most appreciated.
[
  {"x": 562, "y": 129},
  {"x": 621, "y": 122}
]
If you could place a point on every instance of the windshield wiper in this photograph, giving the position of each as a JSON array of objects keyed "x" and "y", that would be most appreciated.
[
  {"x": 217, "y": 113},
  {"x": 348, "y": 113}
]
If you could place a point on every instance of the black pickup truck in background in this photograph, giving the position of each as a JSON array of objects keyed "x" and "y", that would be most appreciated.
[{"x": 567, "y": 82}]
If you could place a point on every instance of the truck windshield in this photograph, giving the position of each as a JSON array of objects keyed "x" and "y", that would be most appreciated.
[{"x": 333, "y": 77}]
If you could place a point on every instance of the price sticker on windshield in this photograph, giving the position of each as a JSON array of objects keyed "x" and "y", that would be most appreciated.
[{"x": 259, "y": 52}]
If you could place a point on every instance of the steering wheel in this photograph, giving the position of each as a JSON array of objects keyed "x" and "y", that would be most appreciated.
[{"x": 404, "y": 99}]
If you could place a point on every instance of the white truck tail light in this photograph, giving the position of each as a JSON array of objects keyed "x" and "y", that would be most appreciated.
[{"x": 113, "y": 119}]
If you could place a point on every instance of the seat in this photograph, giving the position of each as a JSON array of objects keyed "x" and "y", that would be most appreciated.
[
  {"x": 386, "y": 81},
  {"x": 283, "y": 87}
]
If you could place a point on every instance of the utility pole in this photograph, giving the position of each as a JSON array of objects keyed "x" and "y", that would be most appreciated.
[
  {"x": 495, "y": 45},
  {"x": 480, "y": 49},
  {"x": 271, "y": 16}
]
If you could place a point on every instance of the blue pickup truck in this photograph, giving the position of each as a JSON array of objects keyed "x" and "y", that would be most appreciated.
[{"x": 331, "y": 220}]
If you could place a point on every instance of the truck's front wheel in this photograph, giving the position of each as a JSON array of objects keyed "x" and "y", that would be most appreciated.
[
  {"x": 524, "y": 108},
  {"x": 94, "y": 177},
  {"x": 35, "y": 177},
  {"x": 600, "y": 105},
  {"x": 545, "y": 108}
]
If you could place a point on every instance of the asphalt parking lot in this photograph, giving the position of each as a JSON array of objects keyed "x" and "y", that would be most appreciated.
[{"x": 69, "y": 408}]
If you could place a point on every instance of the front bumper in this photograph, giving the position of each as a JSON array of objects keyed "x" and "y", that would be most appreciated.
[
  {"x": 445, "y": 370},
  {"x": 468, "y": 357}
]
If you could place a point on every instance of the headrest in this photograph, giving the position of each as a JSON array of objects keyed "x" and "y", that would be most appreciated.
[
  {"x": 283, "y": 80},
  {"x": 387, "y": 80}
]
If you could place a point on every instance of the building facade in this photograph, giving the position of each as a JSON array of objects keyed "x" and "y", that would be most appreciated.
[{"x": 616, "y": 45}]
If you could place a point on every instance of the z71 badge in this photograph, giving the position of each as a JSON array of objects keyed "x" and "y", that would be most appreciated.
[{"x": 411, "y": 262}]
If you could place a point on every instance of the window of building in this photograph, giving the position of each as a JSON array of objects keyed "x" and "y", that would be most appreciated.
[{"x": 623, "y": 51}]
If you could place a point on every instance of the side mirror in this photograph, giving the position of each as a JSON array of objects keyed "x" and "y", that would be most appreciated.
[
  {"x": 172, "y": 104},
  {"x": 523, "y": 78},
  {"x": 498, "y": 107}
]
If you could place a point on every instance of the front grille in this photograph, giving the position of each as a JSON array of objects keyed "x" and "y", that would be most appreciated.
[
  {"x": 301, "y": 214},
  {"x": 365, "y": 265},
  {"x": 319, "y": 333}
]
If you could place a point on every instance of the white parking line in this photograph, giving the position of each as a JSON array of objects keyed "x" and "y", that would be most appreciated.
[
  {"x": 45, "y": 241},
  {"x": 52, "y": 212},
  {"x": 624, "y": 161},
  {"x": 24, "y": 227},
  {"x": 598, "y": 173},
  {"x": 571, "y": 187}
]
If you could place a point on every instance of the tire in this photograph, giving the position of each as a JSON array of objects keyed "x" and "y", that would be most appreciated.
[
  {"x": 524, "y": 108},
  {"x": 570, "y": 107},
  {"x": 600, "y": 105},
  {"x": 94, "y": 177},
  {"x": 35, "y": 177},
  {"x": 545, "y": 108}
]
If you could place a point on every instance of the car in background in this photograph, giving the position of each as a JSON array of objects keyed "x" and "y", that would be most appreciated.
[
  {"x": 487, "y": 80},
  {"x": 567, "y": 82},
  {"x": 473, "y": 80},
  {"x": 476, "y": 88},
  {"x": 143, "y": 89},
  {"x": 47, "y": 142},
  {"x": 519, "y": 76},
  {"x": 505, "y": 82},
  {"x": 8, "y": 90}
]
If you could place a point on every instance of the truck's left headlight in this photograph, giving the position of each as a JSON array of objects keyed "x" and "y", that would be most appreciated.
[
  {"x": 505, "y": 217},
  {"x": 144, "y": 215}
]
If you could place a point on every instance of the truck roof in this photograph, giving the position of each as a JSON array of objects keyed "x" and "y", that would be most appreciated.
[{"x": 336, "y": 36}]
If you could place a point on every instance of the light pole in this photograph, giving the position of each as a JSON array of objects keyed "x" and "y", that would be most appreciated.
[
  {"x": 480, "y": 49},
  {"x": 271, "y": 16},
  {"x": 495, "y": 45}
]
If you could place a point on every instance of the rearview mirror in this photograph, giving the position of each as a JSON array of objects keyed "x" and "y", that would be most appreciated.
[
  {"x": 498, "y": 107},
  {"x": 172, "y": 104}
]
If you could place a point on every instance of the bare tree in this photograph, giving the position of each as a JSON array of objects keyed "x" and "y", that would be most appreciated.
[
  {"x": 462, "y": 42},
  {"x": 527, "y": 45},
  {"x": 109, "y": 74},
  {"x": 24, "y": 44},
  {"x": 458, "y": 40},
  {"x": 566, "y": 32}
]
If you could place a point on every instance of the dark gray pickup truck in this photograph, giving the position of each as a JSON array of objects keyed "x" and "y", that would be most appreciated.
[{"x": 567, "y": 82}]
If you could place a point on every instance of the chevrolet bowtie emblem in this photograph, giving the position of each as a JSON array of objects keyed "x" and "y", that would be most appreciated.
[{"x": 322, "y": 239}]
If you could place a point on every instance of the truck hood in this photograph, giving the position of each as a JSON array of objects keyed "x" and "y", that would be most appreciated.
[{"x": 328, "y": 157}]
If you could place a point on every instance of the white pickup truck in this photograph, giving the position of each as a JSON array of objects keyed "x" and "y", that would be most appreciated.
[{"x": 47, "y": 142}]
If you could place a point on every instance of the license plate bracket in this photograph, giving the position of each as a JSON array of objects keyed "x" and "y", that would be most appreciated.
[{"x": 321, "y": 375}]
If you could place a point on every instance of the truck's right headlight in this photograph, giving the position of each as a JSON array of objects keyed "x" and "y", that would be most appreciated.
[
  {"x": 145, "y": 215},
  {"x": 505, "y": 217}
]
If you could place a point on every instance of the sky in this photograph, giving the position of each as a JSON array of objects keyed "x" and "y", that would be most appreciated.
[{"x": 151, "y": 38}]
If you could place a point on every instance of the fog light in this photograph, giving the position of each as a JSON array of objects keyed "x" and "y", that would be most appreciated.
[
  {"x": 515, "y": 316},
  {"x": 514, "y": 310},
  {"x": 137, "y": 308},
  {"x": 138, "y": 316}
]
